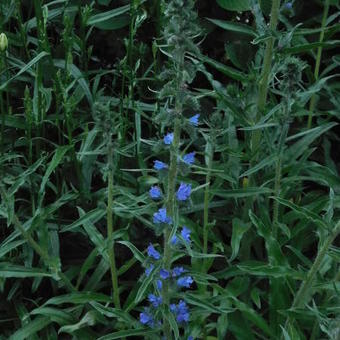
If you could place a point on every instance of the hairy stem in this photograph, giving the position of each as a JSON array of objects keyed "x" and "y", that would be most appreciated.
[
  {"x": 318, "y": 62},
  {"x": 278, "y": 173},
  {"x": 111, "y": 253},
  {"x": 210, "y": 155},
  {"x": 266, "y": 68},
  {"x": 170, "y": 208}
]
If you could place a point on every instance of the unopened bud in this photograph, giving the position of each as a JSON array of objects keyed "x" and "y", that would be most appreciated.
[
  {"x": 3, "y": 42},
  {"x": 245, "y": 182}
]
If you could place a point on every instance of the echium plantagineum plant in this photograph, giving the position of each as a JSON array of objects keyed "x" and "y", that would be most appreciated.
[{"x": 167, "y": 310}]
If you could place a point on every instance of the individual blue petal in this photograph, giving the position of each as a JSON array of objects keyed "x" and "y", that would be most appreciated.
[
  {"x": 289, "y": 5},
  {"x": 183, "y": 192},
  {"x": 169, "y": 138},
  {"x": 181, "y": 311},
  {"x": 155, "y": 192},
  {"x": 185, "y": 281},
  {"x": 189, "y": 158},
  {"x": 173, "y": 307},
  {"x": 194, "y": 120},
  {"x": 149, "y": 270},
  {"x": 152, "y": 252},
  {"x": 164, "y": 274},
  {"x": 161, "y": 217},
  {"x": 174, "y": 240},
  {"x": 145, "y": 318},
  {"x": 155, "y": 300},
  {"x": 159, "y": 165},
  {"x": 159, "y": 284},
  {"x": 177, "y": 271},
  {"x": 186, "y": 234}
]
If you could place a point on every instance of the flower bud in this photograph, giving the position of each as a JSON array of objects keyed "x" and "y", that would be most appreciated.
[
  {"x": 3, "y": 42},
  {"x": 245, "y": 182}
]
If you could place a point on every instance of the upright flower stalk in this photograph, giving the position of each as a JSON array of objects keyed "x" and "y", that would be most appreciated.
[
  {"x": 113, "y": 269},
  {"x": 170, "y": 205},
  {"x": 166, "y": 312},
  {"x": 266, "y": 69}
]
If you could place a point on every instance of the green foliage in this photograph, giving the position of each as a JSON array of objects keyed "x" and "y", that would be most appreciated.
[{"x": 88, "y": 89}]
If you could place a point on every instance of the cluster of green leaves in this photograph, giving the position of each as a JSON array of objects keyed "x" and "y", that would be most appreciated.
[{"x": 79, "y": 104}]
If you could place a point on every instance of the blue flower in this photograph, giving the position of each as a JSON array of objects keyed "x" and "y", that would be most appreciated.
[
  {"x": 155, "y": 192},
  {"x": 153, "y": 252},
  {"x": 189, "y": 158},
  {"x": 194, "y": 120},
  {"x": 164, "y": 274},
  {"x": 186, "y": 234},
  {"x": 161, "y": 217},
  {"x": 181, "y": 311},
  {"x": 177, "y": 271},
  {"x": 145, "y": 318},
  {"x": 185, "y": 281},
  {"x": 158, "y": 165},
  {"x": 289, "y": 5},
  {"x": 169, "y": 138},
  {"x": 159, "y": 284},
  {"x": 183, "y": 192},
  {"x": 155, "y": 300},
  {"x": 190, "y": 338},
  {"x": 174, "y": 240},
  {"x": 149, "y": 270}
]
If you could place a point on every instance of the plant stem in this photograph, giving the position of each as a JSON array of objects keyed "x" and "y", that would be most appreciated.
[
  {"x": 2, "y": 110},
  {"x": 263, "y": 84},
  {"x": 170, "y": 208},
  {"x": 111, "y": 252},
  {"x": 278, "y": 173},
  {"x": 318, "y": 62},
  {"x": 210, "y": 151},
  {"x": 39, "y": 250},
  {"x": 302, "y": 295}
]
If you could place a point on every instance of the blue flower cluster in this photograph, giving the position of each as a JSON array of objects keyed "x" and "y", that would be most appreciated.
[{"x": 177, "y": 278}]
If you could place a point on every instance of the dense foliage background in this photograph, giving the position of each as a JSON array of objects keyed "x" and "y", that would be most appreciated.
[{"x": 88, "y": 91}]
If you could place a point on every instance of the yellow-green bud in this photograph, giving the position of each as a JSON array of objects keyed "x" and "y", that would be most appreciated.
[{"x": 3, "y": 42}]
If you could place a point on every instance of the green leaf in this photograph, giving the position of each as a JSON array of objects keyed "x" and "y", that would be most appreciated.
[
  {"x": 78, "y": 298},
  {"x": 254, "y": 317},
  {"x": 227, "y": 70},
  {"x": 24, "y": 69},
  {"x": 56, "y": 315},
  {"x": 311, "y": 46},
  {"x": 268, "y": 161},
  {"x": 8, "y": 270},
  {"x": 132, "y": 332},
  {"x": 147, "y": 281},
  {"x": 303, "y": 212},
  {"x": 235, "y": 5},
  {"x": 267, "y": 270},
  {"x": 115, "y": 313},
  {"x": 173, "y": 324},
  {"x": 4, "y": 249},
  {"x": 77, "y": 75},
  {"x": 240, "y": 193},
  {"x": 239, "y": 229},
  {"x": 136, "y": 253},
  {"x": 89, "y": 319},
  {"x": 198, "y": 301},
  {"x": 57, "y": 158},
  {"x": 31, "y": 328},
  {"x": 101, "y": 18},
  {"x": 234, "y": 27},
  {"x": 91, "y": 216}
]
